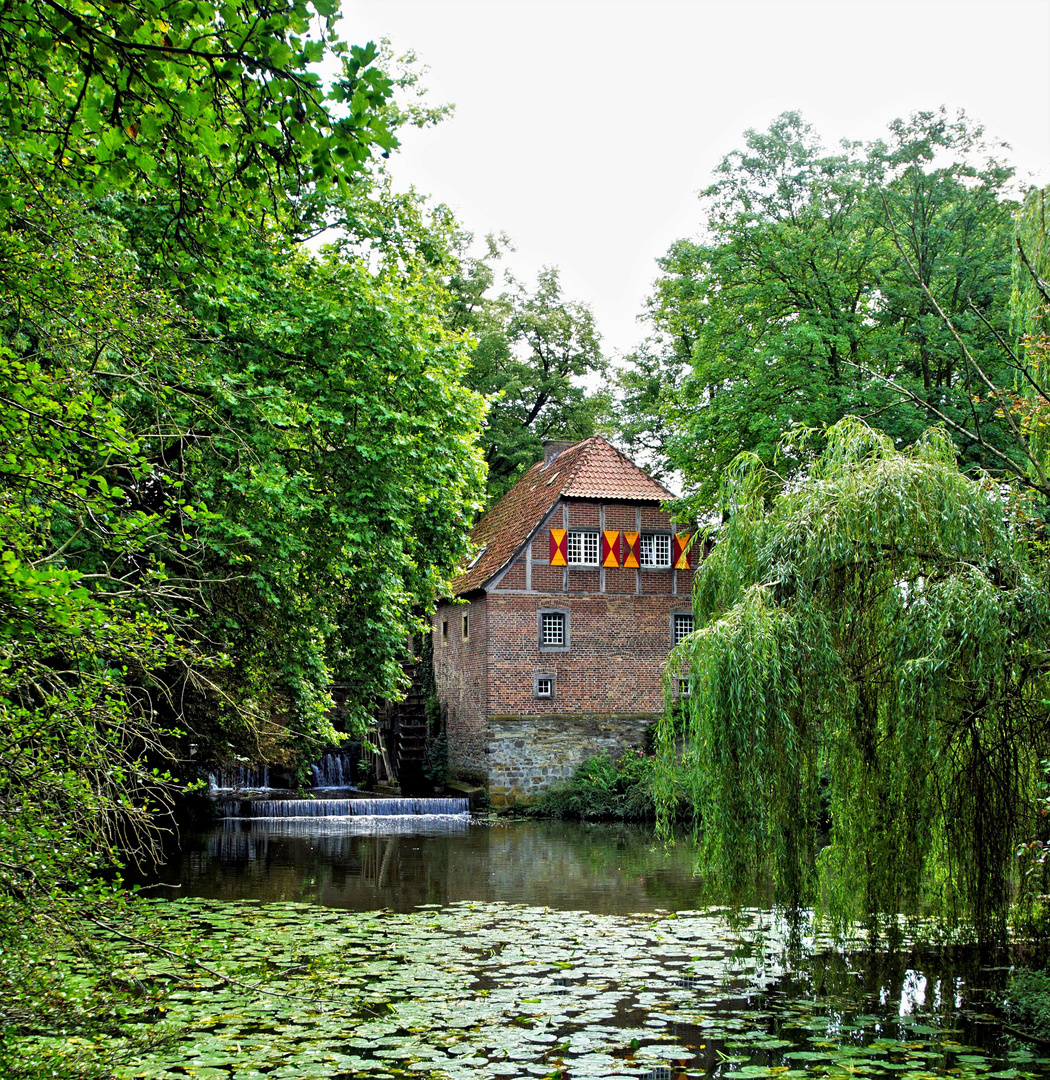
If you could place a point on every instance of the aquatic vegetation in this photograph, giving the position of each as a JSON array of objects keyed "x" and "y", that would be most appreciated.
[
  {"x": 472, "y": 990},
  {"x": 1026, "y": 1001}
]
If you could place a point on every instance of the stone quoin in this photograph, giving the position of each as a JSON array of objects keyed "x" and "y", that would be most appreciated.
[{"x": 553, "y": 645}]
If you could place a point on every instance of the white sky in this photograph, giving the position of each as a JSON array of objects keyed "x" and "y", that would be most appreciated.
[{"x": 584, "y": 129}]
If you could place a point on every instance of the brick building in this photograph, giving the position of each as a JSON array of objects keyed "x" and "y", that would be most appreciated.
[{"x": 557, "y": 647}]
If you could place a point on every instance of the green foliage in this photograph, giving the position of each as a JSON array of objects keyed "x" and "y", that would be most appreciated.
[
  {"x": 1031, "y": 310},
  {"x": 534, "y": 352},
  {"x": 603, "y": 788},
  {"x": 1026, "y": 1002},
  {"x": 231, "y": 471},
  {"x": 339, "y": 443},
  {"x": 1032, "y": 269},
  {"x": 210, "y": 113},
  {"x": 868, "y": 676},
  {"x": 95, "y": 629},
  {"x": 814, "y": 294}
]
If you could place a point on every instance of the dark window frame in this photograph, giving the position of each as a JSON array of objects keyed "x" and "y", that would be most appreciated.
[{"x": 564, "y": 613}]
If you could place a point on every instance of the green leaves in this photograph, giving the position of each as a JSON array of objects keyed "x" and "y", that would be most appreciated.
[
  {"x": 532, "y": 349},
  {"x": 187, "y": 110},
  {"x": 873, "y": 656},
  {"x": 816, "y": 288},
  {"x": 230, "y": 472}
]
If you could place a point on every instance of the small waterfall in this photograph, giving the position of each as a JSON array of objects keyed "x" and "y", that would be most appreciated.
[
  {"x": 239, "y": 778},
  {"x": 334, "y": 771},
  {"x": 289, "y": 808}
]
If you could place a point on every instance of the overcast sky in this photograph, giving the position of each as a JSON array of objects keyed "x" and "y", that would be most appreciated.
[{"x": 585, "y": 129}]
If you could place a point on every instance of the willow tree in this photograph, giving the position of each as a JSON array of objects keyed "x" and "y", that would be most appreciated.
[{"x": 866, "y": 717}]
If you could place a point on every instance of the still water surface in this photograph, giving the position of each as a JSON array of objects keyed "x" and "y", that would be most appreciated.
[
  {"x": 554, "y": 949},
  {"x": 401, "y": 862}
]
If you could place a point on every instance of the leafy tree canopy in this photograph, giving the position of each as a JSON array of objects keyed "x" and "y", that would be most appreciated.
[
  {"x": 204, "y": 111},
  {"x": 869, "y": 675},
  {"x": 535, "y": 353},
  {"x": 814, "y": 293},
  {"x": 231, "y": 471}
]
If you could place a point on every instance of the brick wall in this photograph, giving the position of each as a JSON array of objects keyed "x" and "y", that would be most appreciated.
[
  {"x": 460, "y": 673},
  {"x": 618, "y": 646},
  {"x": 607, "y": 684}
]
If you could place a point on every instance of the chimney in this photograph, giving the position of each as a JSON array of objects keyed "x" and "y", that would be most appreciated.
[{"x": 553, "y": 447}]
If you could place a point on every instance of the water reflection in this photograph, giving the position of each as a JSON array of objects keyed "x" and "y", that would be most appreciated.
[{"x": 362, "y": 864}]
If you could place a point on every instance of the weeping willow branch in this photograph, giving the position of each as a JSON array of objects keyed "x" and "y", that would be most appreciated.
[{"x": 867, "y": 712}]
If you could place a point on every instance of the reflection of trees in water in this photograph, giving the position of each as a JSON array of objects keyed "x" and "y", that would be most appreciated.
[
  {"x": 240, "y": 839},
  {"x": 345, "y": 863}
]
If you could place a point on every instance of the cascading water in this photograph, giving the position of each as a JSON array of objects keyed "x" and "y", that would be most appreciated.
[
  {"x": 334, "y": 771},
  {"x": 239, "y": 778},
  {"x": 289, "y": 808}
]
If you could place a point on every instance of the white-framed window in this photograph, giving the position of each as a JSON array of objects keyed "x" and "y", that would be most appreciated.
[
  {"x": 685, "y": 688},
  {"x": 682, "y": 625},
  {"x": 654, "y": 550},
  {"x": 544, "y": 686},
  {"x": 582, "y": 549},
  {"x": 552, "y": 628}
]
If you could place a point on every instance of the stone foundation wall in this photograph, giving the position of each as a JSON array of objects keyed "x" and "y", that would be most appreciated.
[{"x": 527, "y": 754}]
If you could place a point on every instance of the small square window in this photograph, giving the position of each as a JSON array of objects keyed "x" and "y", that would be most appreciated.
[
  {"x": 685, "y": 688},
  {"x": 552, "y": 631},
  {"x": 654, "y": 550},
  {"x": 544, "y": 686},
  {"x": 681, "y": 626},
  {"x": 582, "y": 549},
  {"x": 552, "y": 628},
  {"x": 466, "y": 627}
]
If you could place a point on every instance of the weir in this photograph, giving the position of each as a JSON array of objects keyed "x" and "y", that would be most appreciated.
[{"x": 297, "y": 808}]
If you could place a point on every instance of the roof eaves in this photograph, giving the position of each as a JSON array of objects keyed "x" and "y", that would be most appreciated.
[{"x": 524, "y": 544}]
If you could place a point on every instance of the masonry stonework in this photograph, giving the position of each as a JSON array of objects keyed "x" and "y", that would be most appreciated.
[{"x": 529, "y": 753}]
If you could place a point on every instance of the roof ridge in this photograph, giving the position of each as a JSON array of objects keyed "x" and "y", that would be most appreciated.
[{"x": 586, "y": 470}]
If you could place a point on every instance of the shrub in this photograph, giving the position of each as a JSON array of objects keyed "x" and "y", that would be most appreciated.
[
  {"x": 1026, "y": 1002},
  {"x": 604, "y": 788}
]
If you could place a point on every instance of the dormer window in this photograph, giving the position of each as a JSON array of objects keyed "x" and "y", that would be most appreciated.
[{"x": 473, "y": 562}]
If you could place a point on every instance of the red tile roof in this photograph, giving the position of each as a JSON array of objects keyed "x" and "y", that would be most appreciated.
[{"x": 592, "y": 469}]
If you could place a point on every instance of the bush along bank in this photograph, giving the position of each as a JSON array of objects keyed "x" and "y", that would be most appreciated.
[{"x": 604, "y": 788}]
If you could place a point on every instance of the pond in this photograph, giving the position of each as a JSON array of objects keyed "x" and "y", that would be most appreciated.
[
  {"x": 454, "y": 949},
  {"x": 364, "y": 864}
]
